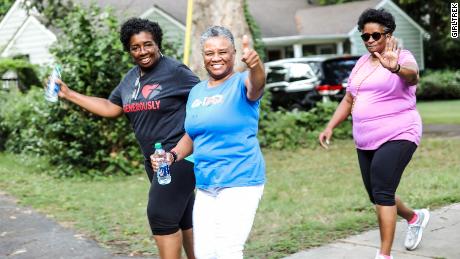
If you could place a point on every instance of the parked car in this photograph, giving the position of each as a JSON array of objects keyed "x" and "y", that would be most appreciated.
[{"x": 298, "y": 83}]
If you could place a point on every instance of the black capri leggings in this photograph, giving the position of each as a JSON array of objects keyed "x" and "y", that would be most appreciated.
[
  {"x": 382, "y": 169},
  {"x": 170, "y": 206}
]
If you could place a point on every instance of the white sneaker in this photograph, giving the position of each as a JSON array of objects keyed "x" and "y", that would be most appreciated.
[
  {"x": 415, "y": 230},
  {"x": 379, "y": 256}
]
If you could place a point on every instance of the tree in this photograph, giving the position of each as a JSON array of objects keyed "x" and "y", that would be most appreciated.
[
  {"x": 227, "y": 13},
  {"x": 52, "y": 10},
  {"x": 5, "y": 5},
  {"x": 441, "y": 51}
]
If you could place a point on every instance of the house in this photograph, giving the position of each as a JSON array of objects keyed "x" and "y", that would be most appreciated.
[
  {"x": 23, "y": 34},
  {"x": 333, "y": 30},
  {"x": 290, "y": 28}
]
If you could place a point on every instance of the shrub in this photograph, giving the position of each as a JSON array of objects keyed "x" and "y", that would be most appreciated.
[
  {"x": 24, "y": 117},
  {"x": 27, "y": 73},
  {"x": 4, "y": 129},
  {"x": 439, "y": 85},
  {"x": 76, "y": 141},
  {"x": 282, "y": 129},
  {"x": 93, "y": 63}
]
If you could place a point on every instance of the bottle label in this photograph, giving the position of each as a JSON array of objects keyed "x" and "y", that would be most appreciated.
[{"x": 163, "y": 170}]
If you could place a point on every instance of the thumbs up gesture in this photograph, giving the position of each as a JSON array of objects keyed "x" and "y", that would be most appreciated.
[{"x": 250, "y": 56}]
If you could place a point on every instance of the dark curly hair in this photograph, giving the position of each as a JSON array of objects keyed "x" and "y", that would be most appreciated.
[
  {"x": 136, "y": 25},
  {"x": 380, "y": 16}
]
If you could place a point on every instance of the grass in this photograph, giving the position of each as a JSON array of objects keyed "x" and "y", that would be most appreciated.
[
  {"x": 315, "y": 196},
  {"x": 311, "y": 197},
  {"x": 440, "y": 112},
  {"x": 111, "y": 210}
]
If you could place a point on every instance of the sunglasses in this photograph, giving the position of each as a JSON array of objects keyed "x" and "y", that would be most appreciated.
[{"x": 375, "y": 35}]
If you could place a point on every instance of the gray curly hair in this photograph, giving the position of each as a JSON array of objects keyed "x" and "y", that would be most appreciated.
[{"x": 216, "y": 31}]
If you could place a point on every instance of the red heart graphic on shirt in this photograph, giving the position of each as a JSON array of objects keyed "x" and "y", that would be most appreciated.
[{"x": 148, "y": 89}]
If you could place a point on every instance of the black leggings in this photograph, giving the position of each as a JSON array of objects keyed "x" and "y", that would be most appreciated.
[
  {"x": 382, "y": 169},
  {"x": 170, "y": 206}
]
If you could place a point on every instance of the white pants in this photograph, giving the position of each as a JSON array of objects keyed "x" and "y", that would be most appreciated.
[{"x": 222, "y": 221}]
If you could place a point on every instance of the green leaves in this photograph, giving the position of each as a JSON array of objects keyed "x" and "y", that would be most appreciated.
[
  {"x": 439, "y": 85},
  {"x": 289, "y": 130},
  {"x": 75, "y": 141}
]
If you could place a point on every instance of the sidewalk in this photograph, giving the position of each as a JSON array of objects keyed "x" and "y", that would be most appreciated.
[
  {"x": 441, "y": 240},
  {"x": 26, "y": 234}
]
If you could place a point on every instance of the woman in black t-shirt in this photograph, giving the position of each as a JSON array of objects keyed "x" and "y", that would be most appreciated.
[{"x": 153, "y": 96}]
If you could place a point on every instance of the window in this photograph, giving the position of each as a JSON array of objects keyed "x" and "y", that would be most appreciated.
[
  {"x": 308, "y": 50},
  {"x": 274, "y": 54},
  {"x": 326, "y": 49},
  {"x": 288, "y": 52}
]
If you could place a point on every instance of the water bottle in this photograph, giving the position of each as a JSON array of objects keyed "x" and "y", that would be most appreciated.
[
  {"x": 163, "y": 174},
  {"x": 52, "y": 89}
]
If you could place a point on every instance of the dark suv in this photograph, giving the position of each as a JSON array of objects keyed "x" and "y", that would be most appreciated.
[{"x": 298, "y": 83}]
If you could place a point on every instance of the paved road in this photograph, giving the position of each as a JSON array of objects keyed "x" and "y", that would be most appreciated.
[
  {"x": 26, "y": 234},
  {"x": 441, "y": 240},
  {"x": 441, "y": 130}
]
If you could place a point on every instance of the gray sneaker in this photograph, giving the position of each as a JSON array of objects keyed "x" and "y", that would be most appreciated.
[{"x": 415, "y": 230}]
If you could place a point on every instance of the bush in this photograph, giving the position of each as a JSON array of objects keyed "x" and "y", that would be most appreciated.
[
  {"x": 75, "y": 141},
  {"x": 283, "y": 129},
  {"x": 24, "y": 118},
  {"x": 439, "y": 85},
  {"x": 93, "y": 63},
  {"x": 4, "y": 129},
  {"x": 72, "y": 142},
  {"x": 27, "y": 73}
]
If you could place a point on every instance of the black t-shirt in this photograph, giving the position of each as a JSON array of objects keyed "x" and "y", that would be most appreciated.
[{"x": 157, "y": 113}]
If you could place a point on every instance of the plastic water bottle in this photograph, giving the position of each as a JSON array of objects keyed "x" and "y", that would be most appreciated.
[
  {"x": 163, "y": 174},
  {"x": 52, "y": 89}
]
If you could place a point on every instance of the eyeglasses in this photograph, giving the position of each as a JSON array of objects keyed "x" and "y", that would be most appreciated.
[
  {"x": 375, "y": 35},
  {"x": 149, "y": 46}
]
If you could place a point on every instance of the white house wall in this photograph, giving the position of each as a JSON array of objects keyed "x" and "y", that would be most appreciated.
[
  {"x": 410, "y": 35},
  {"x": 11, "y": 23},
  {"x": 173, "y": 32},
  {"x": 34, "y": 40}
]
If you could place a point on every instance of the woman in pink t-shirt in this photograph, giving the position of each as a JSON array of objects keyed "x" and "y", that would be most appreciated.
[{"x": 386, "y": 124}]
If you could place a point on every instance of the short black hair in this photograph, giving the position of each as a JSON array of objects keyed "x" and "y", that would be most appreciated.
[
  {"x": 136, "y": 25},
  {"x": 380, "y": 16}
]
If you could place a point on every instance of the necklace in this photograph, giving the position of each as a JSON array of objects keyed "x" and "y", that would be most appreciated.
[{"x": 361, "y": 82}]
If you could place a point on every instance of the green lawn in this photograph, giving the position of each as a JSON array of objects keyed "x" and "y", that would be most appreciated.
[
  {"x": 440, "y": 112},
  {"x": 311, "y": 197}
]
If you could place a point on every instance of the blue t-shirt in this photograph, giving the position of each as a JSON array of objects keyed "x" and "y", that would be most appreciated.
[{"x": 223, "y": 124}]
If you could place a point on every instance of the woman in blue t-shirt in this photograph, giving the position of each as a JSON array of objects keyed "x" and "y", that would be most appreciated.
[{"x": 221, "y": 126}]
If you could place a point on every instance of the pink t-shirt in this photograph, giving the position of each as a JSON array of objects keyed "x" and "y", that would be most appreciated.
[{"x": 384, "y": 109}]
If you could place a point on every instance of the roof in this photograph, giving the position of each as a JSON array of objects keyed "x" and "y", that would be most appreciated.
[
  {"x": 284, "y": 11},
  {"x": 130, "y": 8},
  {"x": 276, "y": 18},
  {"x": 332, "y": 19}
]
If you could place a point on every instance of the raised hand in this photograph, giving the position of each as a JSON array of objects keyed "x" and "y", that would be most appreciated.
[
  {"x": 389, "y": 58},
  {"x": 250, "y": 56}
]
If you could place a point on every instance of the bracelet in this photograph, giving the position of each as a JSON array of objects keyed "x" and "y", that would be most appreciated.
[
  {"x": 174, "y": 154},
  {"x": 397, "y": 69}
]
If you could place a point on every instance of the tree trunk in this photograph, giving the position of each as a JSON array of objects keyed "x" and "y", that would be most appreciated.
[{"x": 226, "y": 13}]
